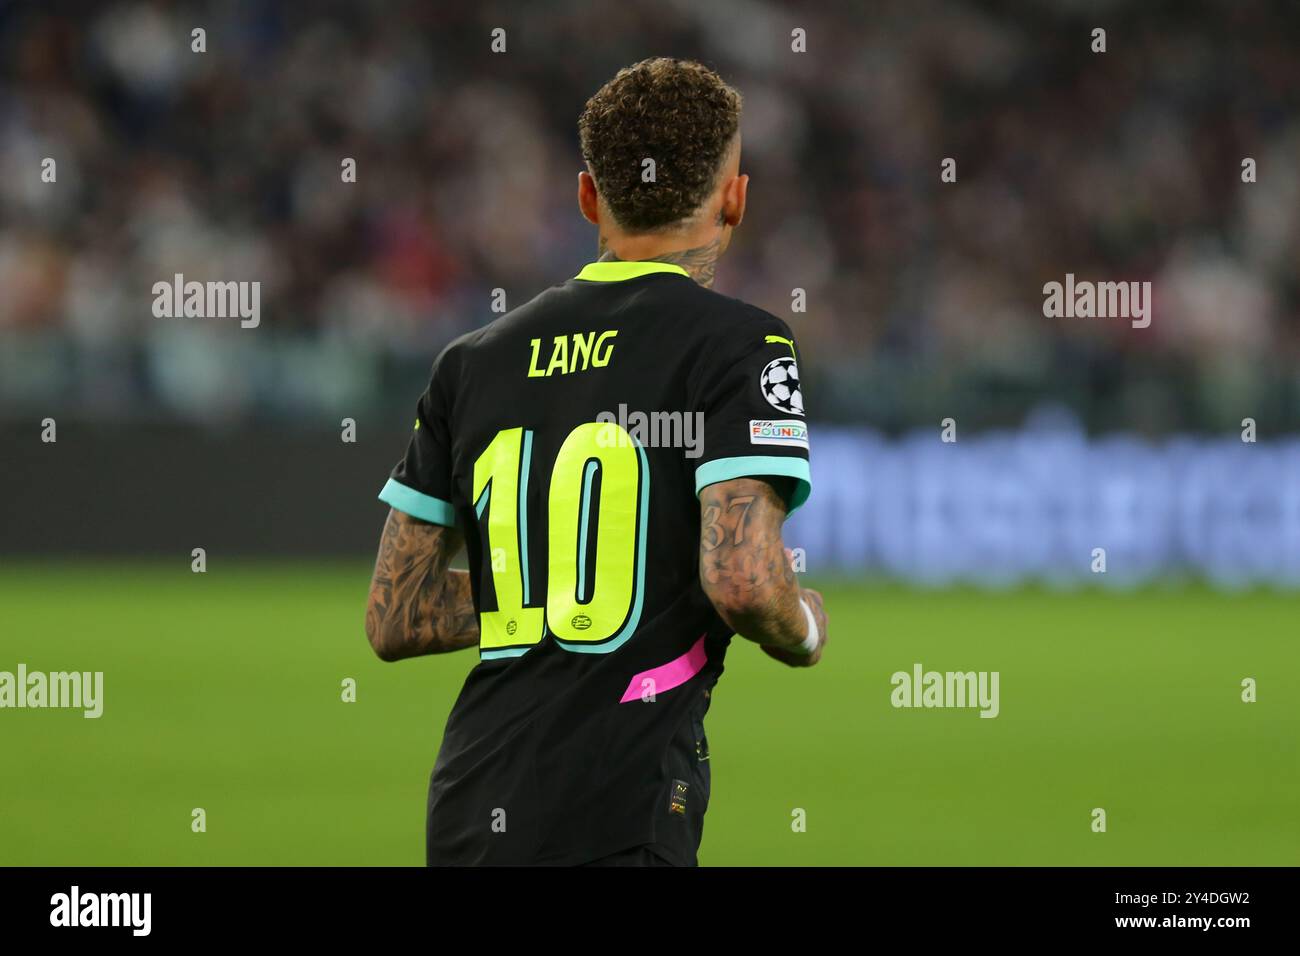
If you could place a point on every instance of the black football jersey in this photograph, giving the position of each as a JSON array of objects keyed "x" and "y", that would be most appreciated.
[{"x": 569, "y": 440}]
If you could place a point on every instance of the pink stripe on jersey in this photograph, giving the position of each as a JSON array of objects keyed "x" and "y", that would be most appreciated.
[{"x": 667, "y": 676}]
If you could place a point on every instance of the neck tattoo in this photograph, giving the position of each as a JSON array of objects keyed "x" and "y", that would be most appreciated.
[{"x": 700, "y": 263}]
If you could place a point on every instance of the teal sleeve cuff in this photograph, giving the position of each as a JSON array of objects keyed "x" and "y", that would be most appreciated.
[
  {"x": 758, "y": 466},
  {"x": 417, "y": 505}
]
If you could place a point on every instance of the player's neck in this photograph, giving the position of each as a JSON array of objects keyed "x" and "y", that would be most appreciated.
[{"x": 698, "y": 255}]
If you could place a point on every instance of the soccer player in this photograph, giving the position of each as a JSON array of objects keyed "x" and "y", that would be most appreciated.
[{"x": 608, "y": 570}]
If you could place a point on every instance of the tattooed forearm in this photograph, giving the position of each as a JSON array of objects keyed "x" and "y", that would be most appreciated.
[
  {"x": 417, "y": 606},
  {"x": 743, "y": 566},
  {"x": 701, "y": 262}
]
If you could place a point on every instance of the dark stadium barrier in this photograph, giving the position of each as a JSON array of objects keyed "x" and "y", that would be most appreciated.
[
  {"x": 155, "y": 490},
  {"x": 992, "y": 510}
]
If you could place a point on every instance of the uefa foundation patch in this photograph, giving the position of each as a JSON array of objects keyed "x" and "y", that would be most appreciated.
[{"x": 791, "y": 432}]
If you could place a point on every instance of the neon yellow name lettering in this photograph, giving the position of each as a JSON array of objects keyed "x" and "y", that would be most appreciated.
[
  {"x": 559, "y": 356},
  {"x": 601, "y": 359},
  {"x": 590, "y": 350},
  {"x": 582, "y": 350},
  {"x": 533, "y": 370}
]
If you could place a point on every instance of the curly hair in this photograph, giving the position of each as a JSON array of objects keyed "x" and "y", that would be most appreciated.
[{"x": 678, "y": 113}]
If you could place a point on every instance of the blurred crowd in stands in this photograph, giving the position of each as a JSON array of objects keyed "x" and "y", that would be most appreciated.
[{"x": 924, "y": 298}]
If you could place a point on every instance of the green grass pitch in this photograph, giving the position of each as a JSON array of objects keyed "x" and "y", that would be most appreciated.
[{"x": 223, "y": 691}]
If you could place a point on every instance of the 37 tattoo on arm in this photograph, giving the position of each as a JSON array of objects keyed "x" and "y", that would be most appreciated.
[
  {"x": 743, "y": 566},
  {"x": 417, "y": 605}
]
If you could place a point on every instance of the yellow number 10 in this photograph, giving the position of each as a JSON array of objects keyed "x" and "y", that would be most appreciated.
[{"x": 596, "y": 517}]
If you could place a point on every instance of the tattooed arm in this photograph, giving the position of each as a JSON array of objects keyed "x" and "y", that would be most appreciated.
[
  {"x": 746, "y": 573},
  {"x": 417, "y": 606}
]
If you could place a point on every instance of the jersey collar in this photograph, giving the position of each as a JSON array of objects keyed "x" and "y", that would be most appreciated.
[{"x": 618, "y": 271}]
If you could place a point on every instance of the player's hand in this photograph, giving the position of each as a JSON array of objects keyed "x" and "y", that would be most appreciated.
[{"x": 798, "y": 658}]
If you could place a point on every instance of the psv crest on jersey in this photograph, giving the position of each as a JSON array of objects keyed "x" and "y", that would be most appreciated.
[{"x": 780, "y": 385}]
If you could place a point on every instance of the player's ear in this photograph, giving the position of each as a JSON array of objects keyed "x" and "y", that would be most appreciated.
[
  {"x": 733, "y": 200},
  {"x": 588, "y": 199}
]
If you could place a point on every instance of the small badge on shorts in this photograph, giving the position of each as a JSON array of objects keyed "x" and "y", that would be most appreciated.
[{"x": 677, "y": 802}]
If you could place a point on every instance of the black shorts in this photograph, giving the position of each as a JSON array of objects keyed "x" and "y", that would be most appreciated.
[{"x": 637, "y": 856}]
